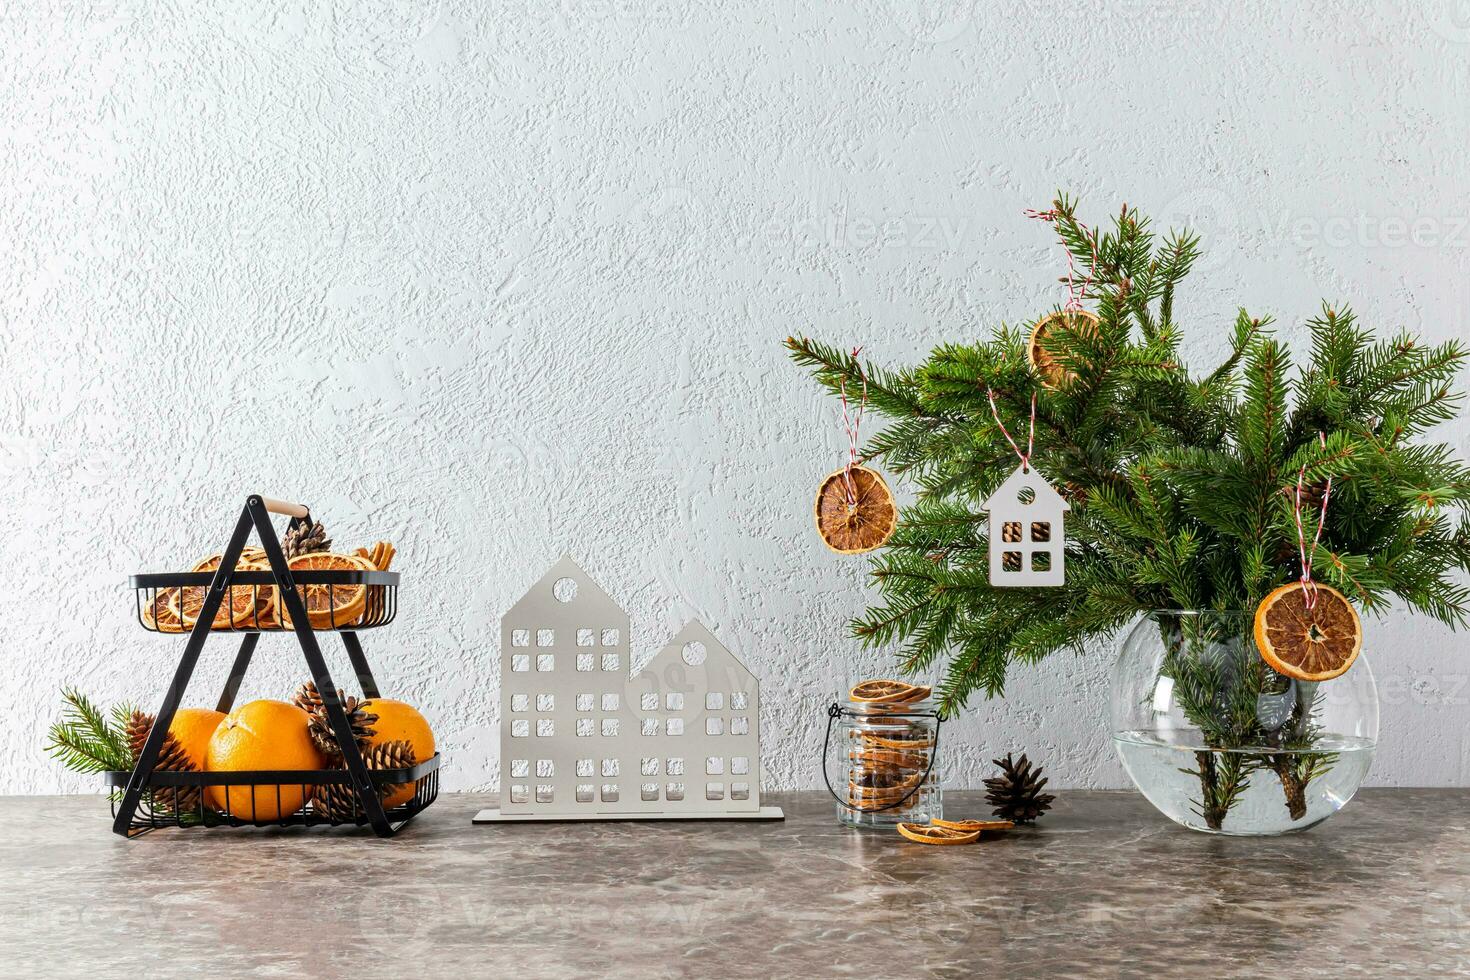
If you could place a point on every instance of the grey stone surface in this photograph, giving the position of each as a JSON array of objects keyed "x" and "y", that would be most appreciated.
[{"x": 1103, "y": 887}]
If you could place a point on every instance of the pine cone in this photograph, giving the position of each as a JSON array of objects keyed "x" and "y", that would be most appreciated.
[
  {"x": 171, "y": 758},
  {"x": 309, "y": 699},
  {"x": 339, "y": 801},
  {"x": 1016, "y": 793},
  {"x": 305, "y": 538}
]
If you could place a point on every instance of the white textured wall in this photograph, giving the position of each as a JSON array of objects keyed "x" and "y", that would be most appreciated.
[{"x": 498, "y": 281}]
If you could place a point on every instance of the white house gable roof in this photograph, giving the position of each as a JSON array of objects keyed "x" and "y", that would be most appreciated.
[
  {"x": 590, "y": 602},
  {"x": 718, "y": 660},
  {"x": 1005, "y": 494}
]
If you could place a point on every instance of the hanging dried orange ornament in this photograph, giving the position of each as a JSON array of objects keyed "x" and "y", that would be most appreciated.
[
  {"x": 855, "y": 510},
  {"x": 1306, "y": 630}
]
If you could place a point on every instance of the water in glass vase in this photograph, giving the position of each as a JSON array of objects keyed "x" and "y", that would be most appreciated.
[{"x": 1249, "y": 792}]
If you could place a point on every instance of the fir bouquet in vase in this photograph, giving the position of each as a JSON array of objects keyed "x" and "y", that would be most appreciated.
[{"x": 1228, "y": 524}]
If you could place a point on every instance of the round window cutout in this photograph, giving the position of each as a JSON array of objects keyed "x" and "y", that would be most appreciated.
[
  {"x": 565, "y": 589},
  {"x": 694, "y": 653},
  {"x": 1026, "y": 495}
]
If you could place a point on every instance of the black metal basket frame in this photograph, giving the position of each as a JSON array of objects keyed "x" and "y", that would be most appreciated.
[
  {"x": 137, "y": 786},
  {"x": 380, "y": 605}
]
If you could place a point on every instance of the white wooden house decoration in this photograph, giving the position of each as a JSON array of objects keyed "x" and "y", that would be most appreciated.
[
  {"x": 1027, "y": 534},
  {"x": 581, "y": 739}
]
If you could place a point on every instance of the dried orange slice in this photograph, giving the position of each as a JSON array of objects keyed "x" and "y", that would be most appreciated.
[
  {"x": 158, "y": 612},
  {"x": 880, "y": 692},
  {"x": 238, "y": 609},
  {"x": 900, "y": 744},
  {"x": 851, "y": 529},
  {"x": 1047, "y": 369},
  {"x": 1315, "y": 644},
  {"x": 930, "y": 834},
  {"x": 969, "y": 826},
  {"x": 333, "y": 606}
]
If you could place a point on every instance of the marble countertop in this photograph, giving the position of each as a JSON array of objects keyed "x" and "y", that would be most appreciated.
[{"x": 1103, "y": 886}]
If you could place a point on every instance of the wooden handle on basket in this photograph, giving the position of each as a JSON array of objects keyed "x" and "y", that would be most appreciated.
[{"x": 281, "y": 507}]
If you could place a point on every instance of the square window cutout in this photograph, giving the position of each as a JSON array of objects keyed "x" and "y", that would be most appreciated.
[
  {"x": 611, "y": 661},
  {"x": 545, "y": 702},
  {"x": 520, "y": 702},
  {"x": 546, "y": 638},
  {"x": 545, "y": 728},
  {"x": 1041, "y": 531},
  {"x": 1010, "y": 561},
  {"x": 609, "y": 792},
  {"x": 1010, "y": 532},
  {"x": 520, "y": 768},
  {"x": 610, "y": 767},
  {"x": 714, "y": 726},
  {"x": 584, "y": 792},
  {"x": 714, "y": 766},
  {"x": 609, "y": 638},
  {"x": 648, "y": 767},
  {"x": 585, "y": 702},
  {"x": 739, "y": 701},
  {"x": 520, "y": 794},
  {"x": 739, "y": 791},
  {"x": 520, "y": 662},
  {"x": 586, "y": 638},
  {"x": 609, "y": 726},
  {"x": 520, "y": 638},
  {"x": 586, "y": 661},
  {"x": 648, "y": 702},
  {"x": 714, "y": 791},
  {"x": 585, "y": 767},
  {"x": 674, "y": 791},
  {"x": 674, "y": 701},
  {"x": 545, "y": 769},
  {"x": 676, "y": 726},
  {"x": 740, "y": 725},
  {"x": 520, "y": 728},
  {"x": 586, "y": 727},
  {"x": 650, "y": 792},
  {"x": 543, "y": 793},
  {"x": 676, "y": 767},
  {"x": 740, "y": 765},
  {"x": 714, "y": 701},
  {"x": 545, "y": 661},
  {"x": 649, "y": 726},
  {"x": 1041, "y": 561},
  {"x": 609, "y": 702}
]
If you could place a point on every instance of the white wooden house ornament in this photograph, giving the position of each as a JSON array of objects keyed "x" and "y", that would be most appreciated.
[
  {"x": 581, "y": 739},
  {"x": 1027, "y": 539}
]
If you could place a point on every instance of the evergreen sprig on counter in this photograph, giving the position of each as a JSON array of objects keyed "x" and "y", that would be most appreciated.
[{"x": 87, "y": 739}]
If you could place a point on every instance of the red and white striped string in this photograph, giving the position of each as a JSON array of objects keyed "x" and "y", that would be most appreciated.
[
  {"x": 1030, "y": 432},
  {"x": 1075, "y": 292},
  {"x": 1309, "y": 586},
  {"x": 851, "y": 423}
]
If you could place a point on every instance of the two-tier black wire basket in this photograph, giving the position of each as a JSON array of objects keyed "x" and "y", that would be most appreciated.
[{"x": 267, "y": 596}]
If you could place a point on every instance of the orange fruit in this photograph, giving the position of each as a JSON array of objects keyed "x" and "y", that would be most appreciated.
[
  {"x": 328, "y": 606},
  {"x": 864, "y": 524},
  {"x": 397, "y": 720},
  {"x": 193, "y": 728},
  {"x": 1315, "y": 644},
  {"x": 1048, "y": 371},
  {"x": 262, "y": 735}
]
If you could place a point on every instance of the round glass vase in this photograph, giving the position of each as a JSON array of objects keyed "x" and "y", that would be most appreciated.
[{"x": 1221, "y": 743}]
